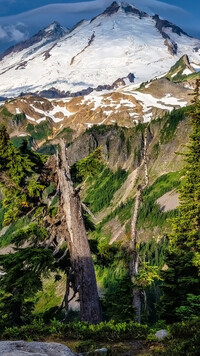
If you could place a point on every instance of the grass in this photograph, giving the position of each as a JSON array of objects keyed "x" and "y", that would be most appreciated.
[
  {"x": 171, "y": 123},
  {"x": 5, "y": 239},
  {"x": 51, "y": 296},
  {"x": 102, "y": 187},
  {"x": 150, "y": 214}
]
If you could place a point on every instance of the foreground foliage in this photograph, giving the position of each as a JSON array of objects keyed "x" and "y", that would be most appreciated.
[
  {"x": 105, "y": 331},
  {"x": 185, "y": 340},
  {"x": 183, "y": 257}
]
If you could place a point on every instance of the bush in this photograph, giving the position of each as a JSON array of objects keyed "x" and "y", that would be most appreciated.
[
  {"x": 105, "y": 331},
  {"x": 41, "y": 131},
  {"x": 185, "y": 340}
]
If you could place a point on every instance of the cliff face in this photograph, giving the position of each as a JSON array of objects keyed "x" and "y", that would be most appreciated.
[{"x": 122, "y": 147}]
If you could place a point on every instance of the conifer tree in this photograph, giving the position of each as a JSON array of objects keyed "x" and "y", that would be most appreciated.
[
  {"x": 22, "y": 275},
  {"x": 183, "y": 257},
  {"x": 18, "y": 178}
]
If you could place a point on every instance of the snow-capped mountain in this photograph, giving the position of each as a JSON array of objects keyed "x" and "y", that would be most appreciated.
[
  {"x": 46, "y": 36},
  {"x": 120, "y": 45}
]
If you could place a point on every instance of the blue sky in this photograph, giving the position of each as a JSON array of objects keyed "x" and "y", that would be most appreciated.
[{"x": 19, "y": 19}]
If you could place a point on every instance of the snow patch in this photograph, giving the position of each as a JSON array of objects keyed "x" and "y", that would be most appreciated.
[
  {"x": 30, "y": 118},
  {"x": 173, "y": 75},
  {"x": 187, "y": 71},
  {"x": 40, "y": 120}
]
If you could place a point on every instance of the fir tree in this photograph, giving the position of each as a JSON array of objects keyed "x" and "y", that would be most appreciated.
[
  {"x": 183, "y": 257},
  {"x": 22, "y": 275},
  {"x": 18, "y": 178}
]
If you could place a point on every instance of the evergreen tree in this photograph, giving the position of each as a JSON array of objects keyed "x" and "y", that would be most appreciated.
[
  {"x": 22, "y": 275},
  {"x": 18, "y": 178},
  {"x": 183, "y": 257}
]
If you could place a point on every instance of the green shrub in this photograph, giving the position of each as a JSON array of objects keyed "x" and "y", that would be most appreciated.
[
  {"x": 41, "y": 131},
  {"x": 19, "y": 118},
  {"x": 105, "y": 331},
  {"x": 185, "y": 340}
]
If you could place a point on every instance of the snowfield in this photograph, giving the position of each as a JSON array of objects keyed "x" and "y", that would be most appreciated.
[{"x": 97, "y": 52}]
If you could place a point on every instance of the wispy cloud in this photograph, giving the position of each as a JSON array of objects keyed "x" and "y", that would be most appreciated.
[
  {"x": 13, "y": 32},
  {"x": 87, "y": 7}
]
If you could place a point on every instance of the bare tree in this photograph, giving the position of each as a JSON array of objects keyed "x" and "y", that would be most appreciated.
[
  {"x": 80, "y": 255},
  {"x": 134, "y": 265}
]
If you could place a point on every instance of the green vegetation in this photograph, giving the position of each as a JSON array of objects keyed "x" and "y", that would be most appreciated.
[
  {"x": 87, "y": 167},
  {"x": 5, "y": 114},
  {"x": 150, "y": 213},
  {"x": 102, "y": 187},
  {"x": 106, "y": 331},
  {"x": 18, "y": 178},
  {"x": 18, "y": 141},
  {"x": 12, "y": 228},
  {"x": 184, "y": 340},
  {"x": 30, "y": 289},
  {"x": 66, "y": 133},
  {"x": 41, "y": 131},
  {"x": 101, "y": 129},
  {"x": 183, "y": 256},
  {"x": 47, "y": 148},
  {"x": 192, "y": 76},
  {"x": 19, "y": 118},
  {"x": 172, "y": 120},
  {"x": 176, "y": 72},
  {"x": 23, "y": 275}
]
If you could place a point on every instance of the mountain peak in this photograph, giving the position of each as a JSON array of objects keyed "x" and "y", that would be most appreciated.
[
  {"x": 131, "y": 9},
  {"x": 112, "y": 9},
  {"x": 50, "y": 33},
  {"x": 55, "y": 29},
  {"x": 124, "y": 6}
]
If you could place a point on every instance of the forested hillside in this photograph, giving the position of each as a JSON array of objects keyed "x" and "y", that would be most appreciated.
[{"x": 122, "y": 187}]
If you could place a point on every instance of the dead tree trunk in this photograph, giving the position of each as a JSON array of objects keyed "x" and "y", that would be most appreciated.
[
  {"x": 134, "y": 265},
  {"x": 145, "y": 157},
  {"x": 80, "y": 255},
  {"x": 136, "y": 302}
]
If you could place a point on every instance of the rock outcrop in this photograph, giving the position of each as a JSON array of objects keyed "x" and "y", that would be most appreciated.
[{"x": 22, "y": 348}]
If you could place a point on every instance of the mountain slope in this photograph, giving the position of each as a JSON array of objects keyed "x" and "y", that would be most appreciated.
[
  {"x": 29, "y": 115},
  {"x": 119, "y": 41}
]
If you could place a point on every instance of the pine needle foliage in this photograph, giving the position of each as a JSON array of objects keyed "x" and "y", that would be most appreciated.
[
  {"x": 183, "y": 257},
  {"x": 22, "y": 275},
  {"x": 18, "y": 178}
]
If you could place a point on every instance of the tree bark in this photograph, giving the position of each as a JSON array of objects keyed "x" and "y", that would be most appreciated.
[
  {"x": 80, "y": 255},
  {"x": 134, "y": 265},
  {"x": 136, "y": 301}
]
